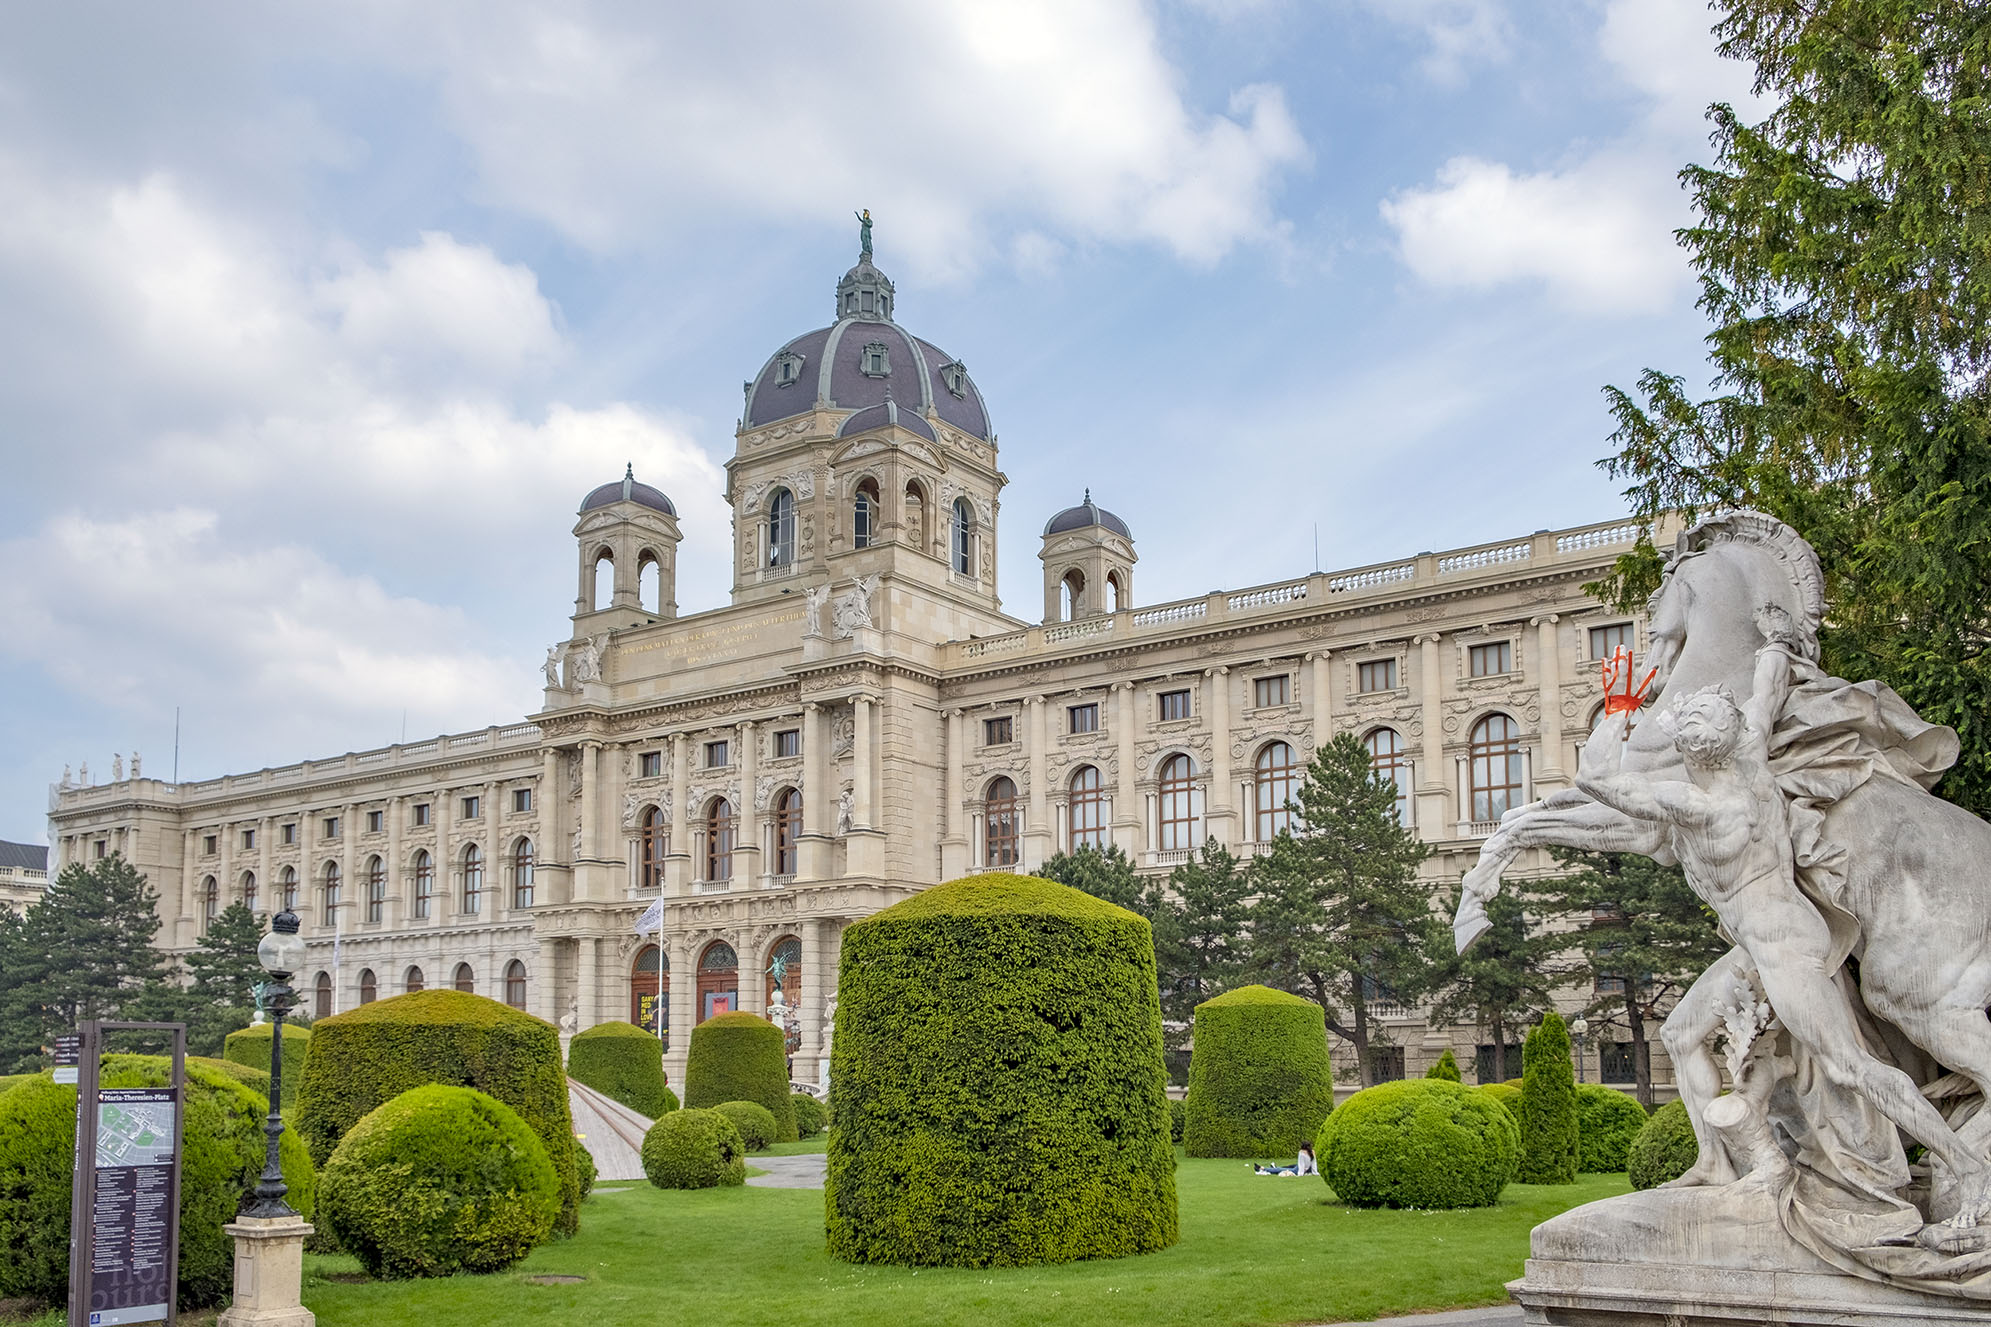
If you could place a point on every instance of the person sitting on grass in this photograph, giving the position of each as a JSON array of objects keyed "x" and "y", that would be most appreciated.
[{"x": 1304, "y": 1165}]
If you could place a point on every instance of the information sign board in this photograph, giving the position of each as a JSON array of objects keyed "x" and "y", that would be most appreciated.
[{"x": 124, "y": 1215}]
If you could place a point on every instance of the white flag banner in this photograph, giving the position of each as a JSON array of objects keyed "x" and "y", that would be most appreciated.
[{"x": 652, "y": 918}]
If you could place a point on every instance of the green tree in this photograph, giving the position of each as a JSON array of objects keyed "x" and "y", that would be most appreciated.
[
  {"x": 1447, "y": 1068},
  {"x": 225, "y": 974},
  {"x": 1341, "y": 917},
  {"x": 1104, "y": 874},
  {"x": 1549, "y": 1137},
  {"x": 1641, "y": 938},
  {"x": 1844, "y": 252},
  {"x": 1503, "y": 981},
  {"x": 1202, "y": 923}
]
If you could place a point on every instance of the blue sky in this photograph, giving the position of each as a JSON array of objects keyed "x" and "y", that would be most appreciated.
[{"x": 315, "y": 327}]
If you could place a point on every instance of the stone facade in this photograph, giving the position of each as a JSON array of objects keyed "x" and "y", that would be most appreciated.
[{"x": 23, "y": 874}]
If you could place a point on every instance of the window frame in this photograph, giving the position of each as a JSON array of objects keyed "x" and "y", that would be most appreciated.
[
  {"x": 425, "y": 883},
  {"x": 472, "y": 859},
  {"x": 722, "y": 826},
  {"x": 1175, "y": 804},
  {"x": 719, "y": 753},
  {"x": 654, "y": 837},
  {"x": 999, "y": 730},
  {"x": 1386, "y": 764},
  {"x": 779, "y": 527},
  {"x": 788, "y": 831},
  {"x": 1166, "y": 701},
  {"x": 1002, "y": 825},
  {"x": 787, "y": 743},
  {"x": 1272, "y": 691},
  {"x": 376, "y": 888},
  {"x": 1363, "y": 674},
  {"x": 1490, "y": 800},
  {"x": 522, "y": 865},
  {"x": 650, "y": 765},
  {"x": 1625, "y": 632},
  {"x": 521, "y": 801},
  {"x": 1089, "y": 709},
  {"x": 1086, "y": 809},
  {"x": 1480, "y": 652},
  {"x": 1274, "y": 785},
  {"x": 961, "y": 537},
  {"x": 515, "y": 984}
]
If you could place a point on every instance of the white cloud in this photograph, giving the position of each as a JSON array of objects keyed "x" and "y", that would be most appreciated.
[{"x": 1457, "y": 32}]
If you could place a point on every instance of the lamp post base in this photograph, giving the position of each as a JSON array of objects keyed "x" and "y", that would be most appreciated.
[{"x": 269, "y": 1273}]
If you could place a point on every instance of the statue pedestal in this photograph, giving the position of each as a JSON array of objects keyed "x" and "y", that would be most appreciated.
[
  {"x": 1704, "y": 1258},
  {"x": 269, "y": 1273},
  {"x": 595, "y": 693}
]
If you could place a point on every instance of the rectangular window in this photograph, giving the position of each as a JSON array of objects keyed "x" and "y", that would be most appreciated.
[
  {"x": 210, "y": 844},
  {"x": 473, "y": 807},
  {"x": 248, "y": 838},
  {"x": 787, "y": 743},
  {"x": 1606, "y": 641},
  {"x": 421, "y": 813},
  {"x": 375, "y": 821},
  {"x": 1617, "y": 1063},
  {"x": 1386, "y": 1064},
  {"x": 1084, "y": 718},
  {"x": 1173, "y": 705},
  {"x": 1376, "y": 675},
  {"x": 1491, "y": 660},
  {"x": 1486, "y": 1067},
  {"x": 1267, "y": 692},
  {"x": 718, "y": 755},
  {"x": 521, "y": 800},
  {"x": 650, "y": 765},
  {"x": 999, "y": 732},
  {"x": 102, "y": 847},
  {"x": 288, "y": 834},
  {"x": 331, "y": 827}
]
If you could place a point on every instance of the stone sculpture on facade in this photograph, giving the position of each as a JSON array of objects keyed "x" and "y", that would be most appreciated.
[
  {"x": 587, "y": 658},
  {"x": 117, "y": 767},
  {"x": 1798, "y": 806},
  {"x": 853, "y": 610},
  {"x": 555, "y": 654},
  {"x": 846, "y": 809},
  {"x": 813, "y": 600},
  {"x": 134, "y": 764}
]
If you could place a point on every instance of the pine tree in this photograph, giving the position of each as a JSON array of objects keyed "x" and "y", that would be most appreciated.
[
  {"x": 1341, "y": 917},
  {"x": 1104, "y": 874},
  {"x": 1549, "y": 1137},
  {"x": 1447, "y": 1068},
  {"x": 1201, "y": 927},
  {"x": 1503, "y": 981},
  {"x": 225, "y": 974}
]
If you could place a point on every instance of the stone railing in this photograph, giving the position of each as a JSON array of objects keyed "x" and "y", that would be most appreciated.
[
  {"x": 1363, "y": 580},
  {"x": 1167, "y": 613},
  {"x": 1606, "y": 537},
  {"x": 1485, "y": 557},
  {"x": 1083, "y": 629},
  {"x": 1277, "y": 594}
]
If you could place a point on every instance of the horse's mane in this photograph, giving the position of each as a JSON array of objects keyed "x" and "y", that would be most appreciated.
[{"x": 1770, "y": 535}]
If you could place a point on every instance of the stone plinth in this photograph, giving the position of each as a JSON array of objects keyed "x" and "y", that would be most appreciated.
[{"x": 269, "y": 1273}]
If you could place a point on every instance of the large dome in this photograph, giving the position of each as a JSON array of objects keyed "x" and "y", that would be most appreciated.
[{"x": 842, "y": 366}]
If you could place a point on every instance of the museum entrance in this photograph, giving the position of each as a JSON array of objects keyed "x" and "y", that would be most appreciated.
[
  {"x": 718, "y": 980},
  {"x": 650, "y": 993},
  {"x": 784, "y": 975}
]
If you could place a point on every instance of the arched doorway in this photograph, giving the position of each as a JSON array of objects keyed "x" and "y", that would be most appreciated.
[
  {"x": 650, "y": 992},
  {"x": 718, "y": 980},
  {"x": 784, "y": 971}
]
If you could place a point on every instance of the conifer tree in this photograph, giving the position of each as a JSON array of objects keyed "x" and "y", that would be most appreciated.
[
  {"x": 1201, "y": 927},
  {"x": 1447, "y": 1068},
  {"x": 1104, "y": 874},
  {"x": 1549, "y": 1137},
  {"x": 1500, "y": 984},
  {"x": 225, "y": 974}
]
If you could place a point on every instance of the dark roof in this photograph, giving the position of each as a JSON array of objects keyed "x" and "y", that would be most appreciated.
[
  {"x": 1087, "y": 513},
  {"x": 626, "y": 489},
  {"x": 32, "y": 856},
  {"x": 877, "y": 416}
]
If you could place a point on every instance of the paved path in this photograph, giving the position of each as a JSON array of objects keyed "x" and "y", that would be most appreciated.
[
  {"x": 1505, "y": 1316},
  {"x": 612, "y": 1133},
  {"x": 797, "y": 1172}
]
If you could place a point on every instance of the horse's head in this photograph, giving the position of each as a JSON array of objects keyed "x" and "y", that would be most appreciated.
[{"x": 1721, "y": 572}]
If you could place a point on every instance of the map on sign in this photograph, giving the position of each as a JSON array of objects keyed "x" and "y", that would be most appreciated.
[{"x": 134, "y": 1133}]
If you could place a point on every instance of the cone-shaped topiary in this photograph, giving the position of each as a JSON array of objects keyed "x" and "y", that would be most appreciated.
[
  {"x": 221, "y": 1157},
  {"x": 694, "y": 1149},
  {"x": 754, "y": 1121},
  {"x": 809, "y": 1117},
  {"x": 1259, "y": 1080},
  {"x": 1000, "y": 1094},
  {"x": 1606, "y": 1123},
  {"x": 624, "y": 1063},
  {"x": 1447, "y": 1068},
  {"x": 251, "y": 1047},
  {"x": 1424, "y": 1142},
  {"x": 439, "y": 1180},
  {"x": 1665, "y": 1148},
  {"x": 365, "y": 1058},
  {"x": 1549, "y": 1139},
  {"x": 740, "y": 1057}
]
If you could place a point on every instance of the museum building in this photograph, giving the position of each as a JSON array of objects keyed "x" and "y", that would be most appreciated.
[{"x": 862, "y": 720}]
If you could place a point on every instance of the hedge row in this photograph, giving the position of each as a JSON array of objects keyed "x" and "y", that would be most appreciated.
[
  {"x": 624, "y": 1063},
  {"x": 1259, "y": 1081},
  {"x": 740, "y": 1057}
]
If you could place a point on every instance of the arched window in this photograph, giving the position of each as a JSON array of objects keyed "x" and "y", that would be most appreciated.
[
  {"x": 720, "y": 824},
  {"x": 1071, "y": 595},
  {"x": 1391, "y": 761},
  {"x": 425, "y": 883},
  {"x": 376, "y": 889},
  {"x": 1176, "y": 793},
  {"x": 787, "y": 831},
  {"x": 1001, "y": 830},
  {"x": 655, "y": 842},
  {"x": 413, "y": 981},
  {"x": 466, "y": 980},
  {"x": 916, "y": 529},
  {"x": 718, "y": 980},
  {"x": 780, "y": 528},
  {"x": 650, "y": 991},
  {"x": 515, "y": 984},
  {"x": 210, "y": 902},
  {"x": 522, "y": 874},
  {"x": 787, "y": 956},
  {"x": 1495, "y": 767},
  {"x": 650, "y": 582},
  {"x": 1085, "y": 813},
  {"x": 963, "y": 538},
  {"x": 287, "y": 888},
  {"x": 331, "y": 892},
  {"x": 604, "y": 588},
  {"x": 369, "y": 986},
  {"x": 321, "y": 996},
  {"x": 1277, "y": 777},
  {"x": 249, "y": 890},
  {"x": 473, "y": 880},
  {"x": 1112, "y": 591},
  {"x": 864, "y": 515}
]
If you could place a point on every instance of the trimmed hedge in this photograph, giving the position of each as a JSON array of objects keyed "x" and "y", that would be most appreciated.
[
  {"x": 251, "y": 1046},
  {"x": 1259, "y": 1080},
  {"x": 754, "y": 1121},
  {"x": 440, "y": 1180},
  {"x": 1423, "y": 1142},
  {"x": 1549, "y": 1138},
  {"x": 809, "y": 1116},
  {"x": 1665, "y": 1148},
  {"x": 585, "y": 1170},
  {"x": 221, "y": 1157},
  {"x": 1507, "y": 1095},
  {"x": 740, "y": 1057},
  {"x": 694, "y": 1149},
  {"x": 1000, "y": 1090},
  {"x": 362, "y": 1059},
  {"x": 10, "y": 1081},
  {"x": 1177, "y": 1109},
  {"x": 624, "y": 1063},
  {"x": 1606, "y": 1123},
  {"x": 1447, "y": 1068},
  {"x": 256, "y": 1080}
]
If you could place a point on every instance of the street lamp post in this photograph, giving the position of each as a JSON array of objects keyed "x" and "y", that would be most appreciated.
[
  {"x": 1580, "y": 1029},
  {"x": 281, "y": 953}
]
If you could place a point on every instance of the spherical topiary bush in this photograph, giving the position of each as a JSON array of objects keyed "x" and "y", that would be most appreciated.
[
  {"x": 624, "y": 1063},
  {"x": 251, "y": 1047},
  {"x": 1507, "y": 1095},
  {"x": 740, "y": 1057},
  {"x": 809, "y": 1119},
  {"x": 694, "y": 1149},
  {"x": 754, "y": 1121},
  {"x": 1424, "y": 1142},
  {"x": 362, "y": 1059},
  {"x": 439, "y": 1180},
  {"x": 1259, "y": 1079},
  {"x": 1000, "y": 1090},
  {"x": 1665, "y": 1148},
  {"x": 221, "y": 1157},
  {"x": 1177, "y": 1109},
  {"x": 584, "y": 1169},
  {"x": 1549, "y": 1140},
  {"x": 1606, "y": 1123}
]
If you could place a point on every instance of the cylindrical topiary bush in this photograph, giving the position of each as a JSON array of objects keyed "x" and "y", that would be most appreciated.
[
  {"x": 1665, "y": 1148},
  {"x": 365, "y": 1058},
  {"x": 1606, "y": 1123},
  {"x": 754, "y": 1121},
  {"x": 809, "y": 1118},
  {"x": 1424, "y": 1142},
  {"x": 1549, "y": 1140},
  {"x": 1447, "y": 1067},
  {"x": 439, "y": 1180},
  {"x": 1000, "y": 1095},
  {"x": 1259, "y": 1079},
  {"x": 740, "y": 1057},
  {"x": 624, "y": 1063},
  {"x": 251, "y": 1047},
  {"x": 694, "y": 1149},
  {"x": 221, "y": 1157}
]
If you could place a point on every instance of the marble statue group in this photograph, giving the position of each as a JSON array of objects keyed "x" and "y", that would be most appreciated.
[{"x": 1849, "y": 1015}]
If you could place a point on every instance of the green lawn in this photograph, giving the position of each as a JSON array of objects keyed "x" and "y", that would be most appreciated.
[{"x": 1253, "y": 1250}]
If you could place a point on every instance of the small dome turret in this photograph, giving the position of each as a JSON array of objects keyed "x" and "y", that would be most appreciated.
[
  {"x": 1088, "y": 558},
  {"x": 627, "y": 489},
  {"x": 1086, "y": 514}
]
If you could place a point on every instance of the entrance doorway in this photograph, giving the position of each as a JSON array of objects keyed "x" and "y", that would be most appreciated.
[
  {"x": 784, "y": 973},
  {"x": 718, "y": 980},
  {"x": 650, "y": 993}
]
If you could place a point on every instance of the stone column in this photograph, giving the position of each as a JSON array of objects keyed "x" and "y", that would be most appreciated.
[
  {"x": 746, "y": 848},
  {"x": 753, "y": 972},
  {"x": 1320, "y": 669},
  {"x": 396, "y": 909},
  {"x": 1126, "y": 800},
  {"x": 955, "y": 841},
  {"x": 818, "y": 797},
  {"x": 684, "y": 999},
  {"x": 184, "y": 923},
  {"x": 587, "y": 983},
  {"x": 225, "y": 873},
  {"x": 1038, "y": 843},
  {"x": 677, "y": 863},
  {"x": 348, "y": 888},
  {"x": 811, "y": 1011},
  {"x": 443, "y": 905},
  {"x": 1549, "y": 776},
  {"x": 1220, "y": 815},
  {"x": 1431, "y": 798},
  {"x": 590, "y": 817},
  {"x": 545, "y": 999},
  {"x": 266, "y": 899},
  {"x": 555, "y": 846},
  {"x": 860, "y": 763}
]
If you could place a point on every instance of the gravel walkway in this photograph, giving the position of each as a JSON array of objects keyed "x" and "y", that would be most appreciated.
[{"x": 797, "y": 1172}]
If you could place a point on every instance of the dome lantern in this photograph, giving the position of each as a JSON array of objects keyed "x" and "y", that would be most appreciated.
[{"x": 1088, "y": 558}]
